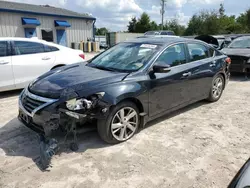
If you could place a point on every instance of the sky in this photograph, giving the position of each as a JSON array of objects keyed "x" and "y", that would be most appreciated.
[{"x": 115, "y": 14}]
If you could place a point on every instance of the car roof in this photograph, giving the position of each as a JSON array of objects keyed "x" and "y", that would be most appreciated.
[
  {"x": 19, "y": 38},
  {"x": 242, "y": 37},
  {"x": 163, "y": 40},
  {"x": 33, "y": 39}
]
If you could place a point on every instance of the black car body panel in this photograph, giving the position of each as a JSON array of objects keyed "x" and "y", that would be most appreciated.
[
  {"x": 242, "y": 178},
  {"x": 239, "y": 58},
  {"x": 76, "y": 77},
  {"x": 154, "y": 93}
]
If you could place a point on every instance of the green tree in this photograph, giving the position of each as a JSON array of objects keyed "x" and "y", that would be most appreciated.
[
  {"x": 153, "y": 26},
  {"x": 132, "y": 25},
  {"x": 102, "y": 31},
  {"x": 173, "y": 25},
  {"x": 143, "y": 25},
  {"x": 194, "y": 24},
  {"x": 248, "y": 19},
  {"x": 222, "y": 10}
]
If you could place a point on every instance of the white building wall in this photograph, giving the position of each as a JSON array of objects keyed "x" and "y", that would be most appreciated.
[{"x": 11, "y": 26}]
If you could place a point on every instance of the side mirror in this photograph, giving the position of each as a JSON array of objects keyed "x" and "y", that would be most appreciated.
[{"x": 161, "y": 68}]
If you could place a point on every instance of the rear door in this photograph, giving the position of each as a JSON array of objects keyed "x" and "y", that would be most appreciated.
[
  {"x": 202, "y": 68},
  {"x": 6, "y": 73},
  {"x": 29, "y": 61}
]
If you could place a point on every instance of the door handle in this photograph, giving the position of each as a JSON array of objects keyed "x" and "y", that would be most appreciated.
[
  {"x": 3, "y": 62},
  {"x": 46, "y": 58},
  {"x": 186, "y": 74},
  {"x": 213, "y": 64}
]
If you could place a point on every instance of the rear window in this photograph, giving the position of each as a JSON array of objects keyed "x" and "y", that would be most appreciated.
[
  {"x": 3, "y": 48},
  {"x": 197, "y": 51},
  {"x": 50, "y": 48}
]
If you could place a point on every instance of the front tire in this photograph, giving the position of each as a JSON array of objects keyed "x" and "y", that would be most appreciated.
[
  {"x": 216, "y": 88},
  {"x": 121, "y": 124}
]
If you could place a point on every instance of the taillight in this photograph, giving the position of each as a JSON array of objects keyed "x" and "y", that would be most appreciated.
[
  {"x": 82, "y": 56},
  {"x": 228, "y": 60}
]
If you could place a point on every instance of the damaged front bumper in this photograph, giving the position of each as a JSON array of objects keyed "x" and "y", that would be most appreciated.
[
  {"x": 48, "y": 116},
  {"x": 44, "y": 115}
]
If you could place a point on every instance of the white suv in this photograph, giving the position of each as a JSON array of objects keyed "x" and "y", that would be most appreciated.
[{"x": 22, "y": 60}]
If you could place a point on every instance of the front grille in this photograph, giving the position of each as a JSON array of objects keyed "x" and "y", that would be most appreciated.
[{"x": 30, "y": 104}]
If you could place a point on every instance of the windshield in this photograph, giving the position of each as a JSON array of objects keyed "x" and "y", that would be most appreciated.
[
  {"x": 240, "y": 43},
  {"x": 125, "y": 57}
]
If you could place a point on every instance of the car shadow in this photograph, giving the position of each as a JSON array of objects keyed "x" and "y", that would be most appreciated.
[
  {"x": 176, "y": 113},
  {"x": 12, "y": 93},
  {"x": 18, "y": 140}
]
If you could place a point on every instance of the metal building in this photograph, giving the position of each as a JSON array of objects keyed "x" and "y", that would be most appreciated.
[{"x": 45, "y": 22}]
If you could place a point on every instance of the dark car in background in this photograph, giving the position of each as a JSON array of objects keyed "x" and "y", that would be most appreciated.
[
  {"x": 239, "y": 52},
  {"x": 125, "y": 87},
  {"x": 161, "y": 32}
]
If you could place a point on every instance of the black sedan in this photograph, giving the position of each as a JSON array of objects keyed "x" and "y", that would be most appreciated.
[
  {"x": 242, "y": 178},
  {"x": 239, "y": 52},
  {"x": 124, "y": 87}
]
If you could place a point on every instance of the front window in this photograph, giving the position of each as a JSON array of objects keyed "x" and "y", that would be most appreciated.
[
  {"x": 125, "y": 57},
  {"x": 240, "y": 43},
  {"x": 173, "y": 56}
]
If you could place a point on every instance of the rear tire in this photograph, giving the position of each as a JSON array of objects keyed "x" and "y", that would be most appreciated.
[
  {"x": 217, "y": 88},
  {"x": 121, "y": 124}
]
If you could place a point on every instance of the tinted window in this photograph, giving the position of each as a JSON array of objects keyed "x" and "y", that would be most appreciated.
[
  {"x": 212, "y": 52},
  {"x": 171, "y": 33},
  {"x": 164, "y": 33},
  {"x": 3, "y": 48},
  {"x": 125, "y": 57},
  {"x": 217, "y": 53},
  {"x": 242, "y": 42},
  {"x": 22, "y": 48},
  {"x": 50, "y": 48},
  {"x": 174, "y": 55},
  {"x": 197, "y": 52}
]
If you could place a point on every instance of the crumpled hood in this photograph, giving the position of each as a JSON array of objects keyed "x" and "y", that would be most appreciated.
[
  {"x": 74, "y": 77},
  {"x": 237, "y": 52}
]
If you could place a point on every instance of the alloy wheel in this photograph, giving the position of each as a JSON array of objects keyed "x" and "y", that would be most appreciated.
[
  {"x": 124, "y": 123},
  {"x": 217, "y": 87}
]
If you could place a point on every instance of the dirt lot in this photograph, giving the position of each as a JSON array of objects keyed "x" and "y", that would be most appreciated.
[{"x": 202, "y": 145}]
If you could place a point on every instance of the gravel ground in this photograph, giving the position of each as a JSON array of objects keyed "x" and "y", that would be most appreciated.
[{"x": 202, "y": 145}]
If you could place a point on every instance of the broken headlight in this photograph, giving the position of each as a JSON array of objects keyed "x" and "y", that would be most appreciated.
[
  {"x": 83, "y": 104},
  {"x": 79, "y": 104}
]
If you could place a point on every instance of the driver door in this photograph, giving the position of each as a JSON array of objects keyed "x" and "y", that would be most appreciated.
[{"x": 169, "y": 90}]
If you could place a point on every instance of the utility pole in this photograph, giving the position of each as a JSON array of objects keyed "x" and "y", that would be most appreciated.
[{"x": 162, "y": 11}]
